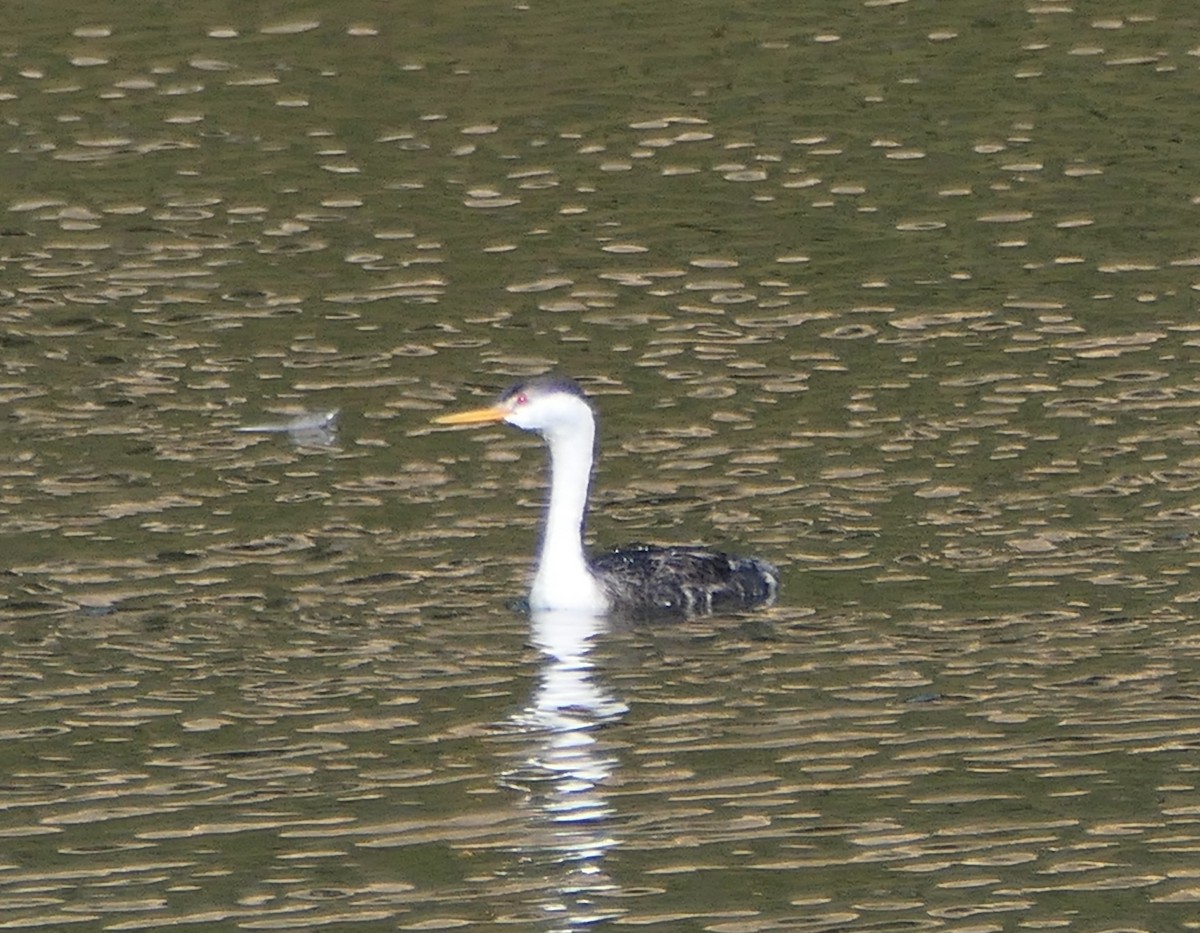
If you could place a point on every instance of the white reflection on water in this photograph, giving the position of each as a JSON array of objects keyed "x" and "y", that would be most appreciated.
[{"x": 563, "y": 773}]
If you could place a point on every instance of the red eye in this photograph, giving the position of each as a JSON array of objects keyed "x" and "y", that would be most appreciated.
[{"x": 522, "y": 399}]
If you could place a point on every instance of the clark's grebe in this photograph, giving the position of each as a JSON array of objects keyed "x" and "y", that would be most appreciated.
[{"x": 637, "y": 580}]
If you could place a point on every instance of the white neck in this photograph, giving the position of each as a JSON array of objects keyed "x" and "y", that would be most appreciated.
[{"x": 563, "y": 579}]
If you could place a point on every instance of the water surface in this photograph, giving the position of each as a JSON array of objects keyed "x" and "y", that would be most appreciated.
[{"x": 897, "y": 296}]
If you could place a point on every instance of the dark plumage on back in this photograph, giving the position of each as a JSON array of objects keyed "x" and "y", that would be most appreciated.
[{"x": 645, "y": 580}]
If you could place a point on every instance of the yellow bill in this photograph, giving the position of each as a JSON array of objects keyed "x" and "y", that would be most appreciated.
[{"x": 489, "y": 415}]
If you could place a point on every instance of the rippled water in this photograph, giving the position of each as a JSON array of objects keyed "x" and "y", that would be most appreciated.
[{"x": 899, "y": 296}]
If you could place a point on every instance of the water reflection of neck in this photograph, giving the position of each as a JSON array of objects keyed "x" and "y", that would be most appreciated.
[{"x": 567, "y": 769}]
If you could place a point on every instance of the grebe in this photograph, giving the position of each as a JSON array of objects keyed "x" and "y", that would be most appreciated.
[{"x": 638, "y": 580}]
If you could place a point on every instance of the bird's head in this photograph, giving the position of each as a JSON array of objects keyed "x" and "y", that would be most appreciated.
[{"x": 553, "y": 406}]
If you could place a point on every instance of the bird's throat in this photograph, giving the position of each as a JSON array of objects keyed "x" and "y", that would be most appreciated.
[{"x": 563, "y": 578}]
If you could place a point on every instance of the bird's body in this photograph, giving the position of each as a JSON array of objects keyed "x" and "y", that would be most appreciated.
[
  {"x": 684, "y": 580},
  {"x": 638, "y": 580}
]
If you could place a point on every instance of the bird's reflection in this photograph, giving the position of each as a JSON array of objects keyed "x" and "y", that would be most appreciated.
[{"x": 562, "y": 774}]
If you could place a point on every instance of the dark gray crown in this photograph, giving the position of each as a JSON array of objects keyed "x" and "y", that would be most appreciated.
[{"x": 543, "y": 385}]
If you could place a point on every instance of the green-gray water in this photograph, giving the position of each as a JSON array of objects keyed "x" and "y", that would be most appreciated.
[{"x": 899, "y": 295}]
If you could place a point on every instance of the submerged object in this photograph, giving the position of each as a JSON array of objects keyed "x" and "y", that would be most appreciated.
[{"x": 318, "y": 428}]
